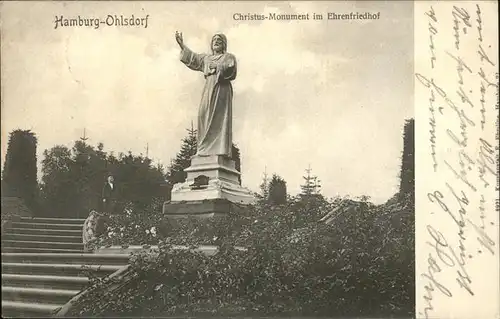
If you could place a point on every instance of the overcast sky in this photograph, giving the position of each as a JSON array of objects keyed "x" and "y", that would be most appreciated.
[{"x": 330, "y": 94}]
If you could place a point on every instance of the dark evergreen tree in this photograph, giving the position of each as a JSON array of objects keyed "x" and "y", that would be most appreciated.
[
  {"x": 188, "y": 149},
  {"x": 235, "y": 156},
  {"x": 182, "y": 161},
  {"x": 407, "y": 174},
  {"x": 277, "y": 190},
  {"x": 20, "y": 168}
]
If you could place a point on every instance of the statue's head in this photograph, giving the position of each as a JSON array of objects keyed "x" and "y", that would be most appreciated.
[{"x": 219, "y": 43}]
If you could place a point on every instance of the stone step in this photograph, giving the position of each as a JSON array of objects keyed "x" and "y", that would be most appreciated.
[
  {"x": 13, "y": 309},
  {"x": 78, "y": 221},
  {"x": 47, "y": 296},
  {"x": 67, "y": 258},
  {"x": 44, "y": 266},
  {"x": 47, "y": 226},
  {"x": 45, "y": 238},
  {"x": 58, "y": 269},
  {"x": 38, "y": 250},
  {"x": 45, "y": 281},
  {"x": 42, "y": 244},
  {"x": 45, "y": 232}
]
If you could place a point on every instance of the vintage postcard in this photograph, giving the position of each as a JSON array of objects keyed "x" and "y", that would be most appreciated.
[{"x": 292, "y": 159}]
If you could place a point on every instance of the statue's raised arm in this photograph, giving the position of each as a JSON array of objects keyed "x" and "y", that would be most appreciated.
[
  {"x": 192, "y": 60},
  {"x": 179, "y": 39}
]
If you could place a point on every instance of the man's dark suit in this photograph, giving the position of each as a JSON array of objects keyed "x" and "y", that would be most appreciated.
[{"x": 108, "y": 197}]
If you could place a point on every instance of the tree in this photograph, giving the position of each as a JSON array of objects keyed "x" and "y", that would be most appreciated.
[
  {"x": 235, "y": 156},
  {"x": 73, "y": 179},
  {"x": 139, "y": 180},
  {"x": 277, "y": 190},
  {"x": 58, "y": 193},
  {"x": 311, "y": 186},
  {"x": 264, "y": 187},
  {"x": 88, "y": 173},
  {"x": 182, "y": 161},
  {"x": 20, "y": 168},
  {"x": 407, "y": 175},
  {"x": 188, "y": 149}
]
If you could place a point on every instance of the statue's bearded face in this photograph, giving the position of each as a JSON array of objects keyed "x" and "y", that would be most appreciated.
[{"x": 218, "y": 44}]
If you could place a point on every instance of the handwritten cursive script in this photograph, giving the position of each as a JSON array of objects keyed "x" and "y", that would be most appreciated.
[{"x": 457, "y": 87}]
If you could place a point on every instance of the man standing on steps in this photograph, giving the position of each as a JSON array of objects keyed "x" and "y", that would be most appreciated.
[{"x": 109, "y": 195}]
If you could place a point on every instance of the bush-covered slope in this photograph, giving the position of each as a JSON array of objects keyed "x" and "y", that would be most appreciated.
[{"x": 360, "y": 263}]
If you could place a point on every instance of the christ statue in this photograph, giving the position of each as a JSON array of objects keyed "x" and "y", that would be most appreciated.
[{"x": 215, "y": 111}]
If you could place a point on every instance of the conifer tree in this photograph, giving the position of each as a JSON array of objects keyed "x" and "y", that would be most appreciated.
[
  {"x": 277, "y": 190},
  {"x": 407, "y": 174},
  {"x": 264, "y": 186},
  {"x": 182, "y": 161},
  {"x": 311, "y": 186},
  {"x": 20, "y": 168},
  {"x": 235, "y": 156},
  {"x": 188, "y": 149}
]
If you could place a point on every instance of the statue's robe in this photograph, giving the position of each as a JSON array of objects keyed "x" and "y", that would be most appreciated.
[{"x": 215, "y": 112}]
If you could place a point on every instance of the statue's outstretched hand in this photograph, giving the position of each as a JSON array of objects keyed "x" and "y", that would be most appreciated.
[{"x": 178, "y": 38}]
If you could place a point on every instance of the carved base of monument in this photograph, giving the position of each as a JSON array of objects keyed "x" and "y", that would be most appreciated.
[
  {"x": 210, "y": 178},
  {"x": 201, "y": 209}
]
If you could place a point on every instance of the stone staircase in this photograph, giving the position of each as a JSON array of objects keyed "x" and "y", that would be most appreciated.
[{"x": 44, "y": 265}]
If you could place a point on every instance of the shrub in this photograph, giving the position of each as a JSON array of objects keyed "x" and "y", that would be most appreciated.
[{"x": 360, "y": 265}]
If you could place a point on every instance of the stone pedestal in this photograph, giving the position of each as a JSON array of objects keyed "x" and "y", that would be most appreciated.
[
  {"x": 212, "y": 184},
  {"x": 207, "y": 208},
  {"x": 222, "y": 182}
]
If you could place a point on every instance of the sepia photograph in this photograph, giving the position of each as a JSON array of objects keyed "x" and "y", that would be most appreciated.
[{"x": 215, "y": 159}]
